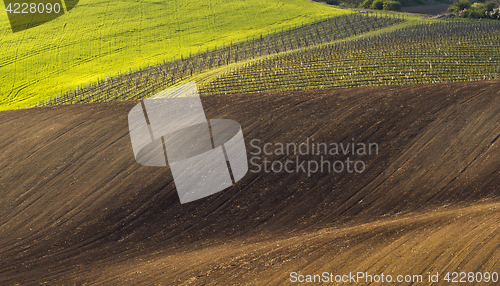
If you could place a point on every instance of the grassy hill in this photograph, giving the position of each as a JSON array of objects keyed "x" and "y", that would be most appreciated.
[{"x": 100, "y": 38}]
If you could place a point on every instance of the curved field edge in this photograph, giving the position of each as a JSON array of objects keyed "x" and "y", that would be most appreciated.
[
  {"x": 207, "y": 76},
  {"x": 143, "y": 83},
  {"x": 410, "y": 20},
  {"x": 98, "y": 39},
  {"x": 406, "y": 54},
  {"x": 119, "y": 89}
]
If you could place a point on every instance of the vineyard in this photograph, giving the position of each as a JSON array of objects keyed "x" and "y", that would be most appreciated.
[
  {"x": 145, "y": 82},
  {"x": 312, "y": 57},
  {"x": 100, "y": 39},
  {"x": 424, "y": 53}
]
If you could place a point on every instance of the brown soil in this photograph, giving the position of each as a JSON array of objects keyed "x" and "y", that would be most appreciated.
[{"x": 77, "y": 209}]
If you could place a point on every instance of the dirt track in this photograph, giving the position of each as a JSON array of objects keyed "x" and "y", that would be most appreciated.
[{"x": 76, "y": 208}]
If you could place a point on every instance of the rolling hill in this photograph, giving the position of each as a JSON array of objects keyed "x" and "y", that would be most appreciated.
[{"x": 77, "y": 209}]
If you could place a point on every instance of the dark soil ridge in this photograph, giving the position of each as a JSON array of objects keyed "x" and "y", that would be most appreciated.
[{"x": 73, "y": 196}]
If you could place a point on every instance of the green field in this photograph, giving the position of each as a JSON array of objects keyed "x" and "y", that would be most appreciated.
[{"x": 102, "y": 38}]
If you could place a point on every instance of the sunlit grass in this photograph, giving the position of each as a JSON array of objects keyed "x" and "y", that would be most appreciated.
[{"x": 101, "y": 38}]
